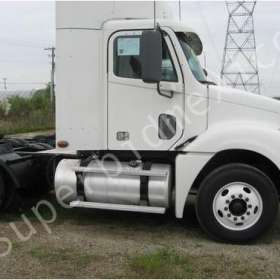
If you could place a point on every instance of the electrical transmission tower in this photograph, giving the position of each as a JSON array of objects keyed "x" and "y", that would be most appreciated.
[{"x": 240, "y": 68}]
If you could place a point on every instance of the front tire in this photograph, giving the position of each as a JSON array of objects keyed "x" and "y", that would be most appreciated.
[{"x": 236, "y": 203}]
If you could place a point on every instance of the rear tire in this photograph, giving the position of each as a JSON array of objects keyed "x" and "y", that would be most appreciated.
[
  {"x": 236, "y": 203},
  {"x": 2, "y": 193}
]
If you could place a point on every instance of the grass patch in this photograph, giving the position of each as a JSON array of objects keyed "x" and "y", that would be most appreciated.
[
  {"x": 69, "y": 259},
  {"x": 162, "y": 263},
  {"x": 166, "y": 263}
]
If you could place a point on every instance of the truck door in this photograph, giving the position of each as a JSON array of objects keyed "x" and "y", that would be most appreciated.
[{"x": 143, "y": 116}]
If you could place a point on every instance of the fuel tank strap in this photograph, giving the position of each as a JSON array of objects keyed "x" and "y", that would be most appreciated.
[
  {"x": 144, "y": 184},
  {"x": 80, "y": 179}
]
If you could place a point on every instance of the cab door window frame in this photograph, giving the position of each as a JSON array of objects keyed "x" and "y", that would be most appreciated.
[{"x": 137, "y": 79}]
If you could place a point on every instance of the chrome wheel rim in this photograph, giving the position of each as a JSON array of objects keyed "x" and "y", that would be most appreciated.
[{"x": 237, "y": 206}]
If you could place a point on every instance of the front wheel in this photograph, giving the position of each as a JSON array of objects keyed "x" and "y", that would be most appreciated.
[{"x": 236, "y": 203}]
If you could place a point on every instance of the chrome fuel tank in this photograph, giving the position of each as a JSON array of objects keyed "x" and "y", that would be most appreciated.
[
  {"x": 111, "y": 188},
  {"x": 115, "y": 182}
]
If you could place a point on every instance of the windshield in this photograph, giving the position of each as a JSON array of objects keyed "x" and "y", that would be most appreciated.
[{"x": 191, "y": 58}]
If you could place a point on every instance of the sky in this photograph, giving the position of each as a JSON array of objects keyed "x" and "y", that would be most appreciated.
[
  {"x": 29, "y": 27},
  {"x": 26, "y": 29}
]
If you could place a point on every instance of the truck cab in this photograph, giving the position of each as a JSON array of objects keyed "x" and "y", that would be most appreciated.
[
  {"x": 140, "y": 106},
  {"x": 146, "y": 128}
]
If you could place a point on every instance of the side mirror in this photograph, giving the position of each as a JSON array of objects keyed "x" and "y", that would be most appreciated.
[{"x": 151, "y": 56}]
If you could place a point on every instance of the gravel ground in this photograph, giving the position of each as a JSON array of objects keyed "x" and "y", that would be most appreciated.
[{"x": 101, "y": 244}]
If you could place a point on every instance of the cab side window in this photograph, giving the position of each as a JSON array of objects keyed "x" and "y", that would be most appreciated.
[
  {"x": 127, "y": 63},
  {"x": 127, "y": 57}
]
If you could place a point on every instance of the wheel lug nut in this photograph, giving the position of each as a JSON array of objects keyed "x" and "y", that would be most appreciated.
[
  {"x": 235, "y": 218},
  {"x": 229, "y": 215},
  {"x": 227, "y": 201},
  {"x": 242, "y": 218},
  {"x": 247, "y": 199},
  {"x": 248, "y": 213},
  {"x": 233, "y": 197},
  {"x": 240, "y": 196},
  {"x": 226, "y": 208}
]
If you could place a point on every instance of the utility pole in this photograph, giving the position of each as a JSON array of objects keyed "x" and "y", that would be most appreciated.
[
  {"x": 240, "y": 67},
  {"x": 5, "y": 83},
  {"x": 52, "y": 55}
]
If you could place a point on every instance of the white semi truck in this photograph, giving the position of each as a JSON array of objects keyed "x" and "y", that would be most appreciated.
[{"x": 140, "y": 128}]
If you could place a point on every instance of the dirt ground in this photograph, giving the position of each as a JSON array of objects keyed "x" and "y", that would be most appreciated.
[{"x": 104, "y": 244}]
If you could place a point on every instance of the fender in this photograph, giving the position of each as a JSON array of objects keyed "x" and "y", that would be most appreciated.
[
  {"x": 256, "y": 137},
  {"x": 262, "y": 138}
]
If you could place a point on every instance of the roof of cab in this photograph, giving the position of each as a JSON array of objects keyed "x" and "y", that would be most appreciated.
[{"x": 132, "y": 24}]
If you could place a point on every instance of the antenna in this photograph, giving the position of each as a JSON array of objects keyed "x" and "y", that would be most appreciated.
[{"x": 240, "y": 68}]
